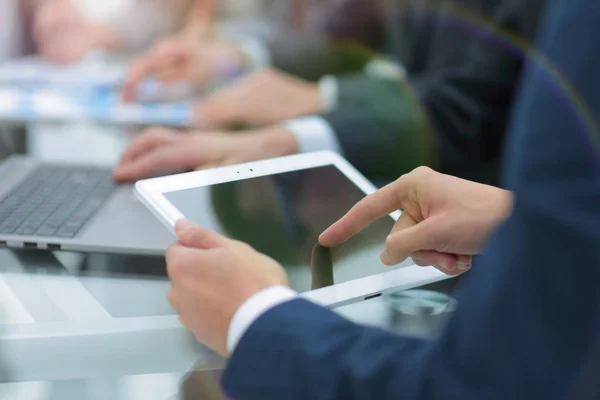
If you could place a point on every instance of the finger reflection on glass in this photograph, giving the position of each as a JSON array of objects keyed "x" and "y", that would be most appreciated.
[{"x": 321, "y": 266}]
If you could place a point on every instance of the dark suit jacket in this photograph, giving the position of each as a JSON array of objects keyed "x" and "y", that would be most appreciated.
[
  {"x": 528, "y": 322},
  {"x": 452, "y": 111}
]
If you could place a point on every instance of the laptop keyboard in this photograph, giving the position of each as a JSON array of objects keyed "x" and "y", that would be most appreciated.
[{"x": 55, "y": 201}]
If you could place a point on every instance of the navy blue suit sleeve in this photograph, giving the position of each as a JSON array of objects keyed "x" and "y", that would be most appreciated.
[{"x": 529, "y": 314}]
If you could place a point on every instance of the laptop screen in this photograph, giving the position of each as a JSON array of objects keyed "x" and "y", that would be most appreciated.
[{"x": 283, "y": 215}]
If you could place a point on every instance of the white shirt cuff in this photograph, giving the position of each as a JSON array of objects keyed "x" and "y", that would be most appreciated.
[
  {"x": 314, "y": 134},
  {"x": 329, "y": 91},
  {"x": 252, "y": 309}
]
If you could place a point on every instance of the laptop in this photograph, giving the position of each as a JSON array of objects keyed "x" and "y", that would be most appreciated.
[{"x": 71, "y": 207}]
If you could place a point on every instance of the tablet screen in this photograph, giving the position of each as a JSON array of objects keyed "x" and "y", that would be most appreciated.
[{"x": 283, "y": 215}]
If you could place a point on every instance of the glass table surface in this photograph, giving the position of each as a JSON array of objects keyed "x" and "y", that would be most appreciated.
[
  {"x": 98, "y": 326},
  {"x": 91, "y": 325}
]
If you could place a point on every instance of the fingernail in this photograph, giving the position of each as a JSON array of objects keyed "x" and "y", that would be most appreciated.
[
  {"x": 120, "y": 170},
  {"x": 446, "y": 267},
  {"x": 463, "y": 267},
  {"x": 118, "y": 175},
  {"x": 321, "y": 241},
  {"x": 183, "y": 225},
  {"x": 385, "y": 257}
]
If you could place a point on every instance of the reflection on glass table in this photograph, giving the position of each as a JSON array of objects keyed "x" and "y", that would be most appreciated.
[
  {"x": 98, "y": 326},
  {"x": 76, "y": 317},
  {"x": 198, "y": 384}
]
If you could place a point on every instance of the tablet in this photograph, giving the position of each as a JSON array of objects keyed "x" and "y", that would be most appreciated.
[{"x": 280, "y": 207}]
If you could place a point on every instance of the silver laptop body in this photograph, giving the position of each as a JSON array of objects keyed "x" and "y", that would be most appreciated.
[{"x": 73, "y": 208}]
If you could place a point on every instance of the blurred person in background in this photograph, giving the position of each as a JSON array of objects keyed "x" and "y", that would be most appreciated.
[
  {"x": 66, "y": 31},
  {"x": 437, "y": 94},
  {"x": 95, "y": 34},
  {"x": 219, "y": 40}
]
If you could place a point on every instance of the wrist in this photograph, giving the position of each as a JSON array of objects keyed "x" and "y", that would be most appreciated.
[
  {"x": 107, "y": 38},
  {"x": 277, "y": 141},
  {"x": 196, "y": 32},
  {"x": 199, "y": 21},
  {"x": 252, "y": 308},
  {"x": 504, "y": 205},
  {"x": 497, "y": 210},
  {"x": 312, "y": 103},
  {"x": 193, "y": 34}
]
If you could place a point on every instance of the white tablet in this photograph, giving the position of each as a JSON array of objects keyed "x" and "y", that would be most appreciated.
[{"x": 280, "y": 207}]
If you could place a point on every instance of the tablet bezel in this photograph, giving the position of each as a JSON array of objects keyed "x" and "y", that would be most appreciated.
[{"x": 151, "y": 193}]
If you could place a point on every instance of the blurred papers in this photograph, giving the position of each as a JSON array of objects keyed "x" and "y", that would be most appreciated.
[
  {"x": 89, "y": 73},
  {"x": 100, "y": 104}
]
